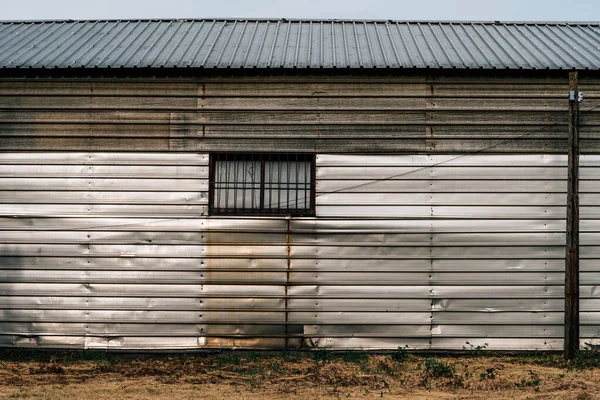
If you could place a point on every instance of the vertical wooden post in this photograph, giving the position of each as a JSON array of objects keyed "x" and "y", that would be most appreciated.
[{"x": 571, "y": 346}]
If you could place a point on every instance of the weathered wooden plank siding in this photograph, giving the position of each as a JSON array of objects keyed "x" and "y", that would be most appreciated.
[{"x": 432, "y": 114}]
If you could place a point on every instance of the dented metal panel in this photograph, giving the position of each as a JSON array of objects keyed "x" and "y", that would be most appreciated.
[
  {"x": 481, "y": 238},
  {"x": 123, "y": 256}
]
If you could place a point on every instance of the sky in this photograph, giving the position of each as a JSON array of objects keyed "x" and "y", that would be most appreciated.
[{"x": 480, "y": 10}]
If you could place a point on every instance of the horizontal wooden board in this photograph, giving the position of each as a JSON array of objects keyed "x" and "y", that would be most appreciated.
[
  {"x": 413, "y": 86},
  {"x": 98, "y": 87}
]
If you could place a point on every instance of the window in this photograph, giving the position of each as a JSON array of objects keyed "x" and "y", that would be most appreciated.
[{"x": 262, "y": 184}]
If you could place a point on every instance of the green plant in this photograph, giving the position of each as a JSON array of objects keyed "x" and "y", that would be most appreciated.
[
  {"x": 587, "y": 358},
  {"x": 253, "y": 356},
  {"x": 438, "y": 369},
  {"x": 228, "y": 358},
  {"x": 360, "y": 359},
  {"x": 401, "y": 354},
  {"x": 354, "y": 357},
  {"x": 321, "y": 356},
  {"x": 249, "y": 371},
  {"x": 104, "y": 366},
  {"x": 291, "y": 356},
  {"x": 475, "y": 350},
  {"x": 275, "y": 367},
  {"x": 434, "y": 369},
  {"x": 490, "y": 373},
  {"x": 533, "y": 381}
]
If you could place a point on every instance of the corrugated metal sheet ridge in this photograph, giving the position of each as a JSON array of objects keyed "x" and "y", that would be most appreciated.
[{"x": 298, "y": 44}]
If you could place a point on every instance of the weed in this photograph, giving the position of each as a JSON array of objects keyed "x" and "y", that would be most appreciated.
[
  {"x": 434, "y": 369},
  {"x": 387, "y": 367},
  {"x": 360, "y": 359},
  {"x": 321, "y": 356},
  {"x": 276, "y": 368},
  {"x": 475, "y": 351},
  {"x": 587, "y": 358},
  {"x": 291, "y": 356},
  {"x": 538, "y": 358},
  {"x": 533, "y": 381},
  {"x": 354, "y": 357},
  {"x": 438, "y": 369},
  {"x": 489, "y": 373},
  {"x": 105, "y": 366},
  {"x": 401, "y": 354},
  {"x": 47, "y": 369},
  {"x": 253, "y": 356},
  {"x": 249, "y": 371},
  {"x": 228, "y": 358}
]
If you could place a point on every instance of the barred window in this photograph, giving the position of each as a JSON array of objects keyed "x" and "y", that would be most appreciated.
[{"x": 261, "y": 184}]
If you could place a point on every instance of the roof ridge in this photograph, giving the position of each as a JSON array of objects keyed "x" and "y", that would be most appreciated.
[{"x": 234, "y": 19}]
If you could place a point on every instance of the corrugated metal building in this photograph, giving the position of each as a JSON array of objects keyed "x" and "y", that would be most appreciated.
[{"x": 196, "y": 184}]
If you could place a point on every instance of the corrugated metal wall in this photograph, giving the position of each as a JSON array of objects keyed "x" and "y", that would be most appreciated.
[
  {"x": 114, "y": 250},
  {"x": 105, "y": 241},
  {"x": 471, "y": 250}
]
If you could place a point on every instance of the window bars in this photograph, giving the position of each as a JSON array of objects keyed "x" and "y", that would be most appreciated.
[{"x": 262, "y": 184}]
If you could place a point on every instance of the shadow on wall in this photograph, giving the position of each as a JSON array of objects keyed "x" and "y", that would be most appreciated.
[{"x": 15, "y": 300}]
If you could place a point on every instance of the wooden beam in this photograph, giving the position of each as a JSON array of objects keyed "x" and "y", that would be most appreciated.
[{"x": 571, "y": 346}]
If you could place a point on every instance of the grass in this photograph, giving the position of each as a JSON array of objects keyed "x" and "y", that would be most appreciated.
[
  {"x": 294, "y": 371},
  {"x": 50, "y": 356}
]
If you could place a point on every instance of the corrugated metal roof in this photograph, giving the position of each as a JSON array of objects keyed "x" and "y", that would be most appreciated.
[{"x": 225, "y": 43}]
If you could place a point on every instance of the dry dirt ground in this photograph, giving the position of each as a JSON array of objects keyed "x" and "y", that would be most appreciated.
[{"x": 319, "y": 375}]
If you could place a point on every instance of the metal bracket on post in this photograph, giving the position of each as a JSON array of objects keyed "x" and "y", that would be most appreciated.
[{"x": 579, "y": 96}]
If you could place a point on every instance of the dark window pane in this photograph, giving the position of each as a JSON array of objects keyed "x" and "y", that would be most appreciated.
[{"x": 237, "y": 184}]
